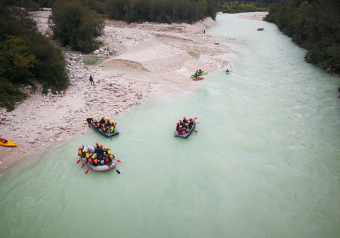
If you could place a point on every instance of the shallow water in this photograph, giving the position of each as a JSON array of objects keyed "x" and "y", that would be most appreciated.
[{"x": 264, "y": 163}]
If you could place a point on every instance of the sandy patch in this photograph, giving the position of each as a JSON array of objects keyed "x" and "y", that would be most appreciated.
[
  {"x": 259, "y": 16},
  {"x": 124, "y": 64}
]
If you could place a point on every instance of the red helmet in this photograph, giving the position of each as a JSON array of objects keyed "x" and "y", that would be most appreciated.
[
  {"x": 101, "y": 146},
  {"x": 96, "y": 143},
  {"x": 79, "y": 148}
]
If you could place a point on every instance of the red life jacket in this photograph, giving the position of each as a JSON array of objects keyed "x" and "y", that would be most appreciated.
[
  {"x": 107, "y": 160},
  {"x": 95, "y": 161},
  {"x": 104, "y": 128},
  {"x": 98, "y": 124}
]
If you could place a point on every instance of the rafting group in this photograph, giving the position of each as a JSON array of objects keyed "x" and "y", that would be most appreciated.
[
  {"x": 185, "y": 127},
  {"x": 104, "y": 126},
  {"x": 99, "y": 155},
  {"x": 197, "y": 75},
  {"x": 98, "y": 158}
]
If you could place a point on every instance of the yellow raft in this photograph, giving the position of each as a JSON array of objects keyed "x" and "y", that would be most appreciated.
[{"x": 4, "y": 142}]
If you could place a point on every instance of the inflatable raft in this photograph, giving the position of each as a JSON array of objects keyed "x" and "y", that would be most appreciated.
[
  {"x": 106, "y": 134},
  {"x": 8, "y": 143},
  {"x": 186, "y": 135},
  {"x": 99, "y": 168}
]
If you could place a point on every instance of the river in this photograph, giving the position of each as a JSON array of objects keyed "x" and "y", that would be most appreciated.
[{"x": 264, "y": 163}]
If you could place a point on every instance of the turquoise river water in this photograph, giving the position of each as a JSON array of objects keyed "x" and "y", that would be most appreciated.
[{"x": 264, "y": 163}]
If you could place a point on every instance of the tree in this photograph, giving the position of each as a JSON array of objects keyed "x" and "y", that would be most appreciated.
[
  {"x": 15, "y": 62},
  {"x": 74, "y": 25},
  {"x": 26, "y": 57}
]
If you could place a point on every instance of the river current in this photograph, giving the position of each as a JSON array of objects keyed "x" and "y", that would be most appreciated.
[{"x": 264, "y": 163}]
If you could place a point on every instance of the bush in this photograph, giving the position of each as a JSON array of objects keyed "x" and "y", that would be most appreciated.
[
  {"x": 74, "y": 25},
  {"x": 26, "y": 57},
  {"x": 9, "y": 95}
]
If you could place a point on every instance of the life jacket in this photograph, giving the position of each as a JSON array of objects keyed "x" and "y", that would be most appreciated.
[
  {"x": 104, "y": 128},
  {"x": 98, "y": 124},
  {"x": 87, "y": 154},
  {"x": 112, "y": 129},
  {"x": 188, "y": 129},
  {"x": 90, "y": 160},
  {"x": 80, "y": 153},
  {"x": 95, "y": 161},
  {"x": 107, "y": 160}
]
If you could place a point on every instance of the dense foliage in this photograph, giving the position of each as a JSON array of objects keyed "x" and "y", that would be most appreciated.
[
  {"x": 74, "y": 25},
  {"x": 26, "y": 57},
  {"x": 245, "y": 6},
  {"x": 314, "y": 25},
  {"x": 160, "y": 10}
]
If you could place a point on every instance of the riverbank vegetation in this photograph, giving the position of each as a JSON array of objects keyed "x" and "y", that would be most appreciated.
[
  {"x": 166, "y": 11},
  {"x": 242, "y": 6},
  {"x": 75, "y": 25},
  {"x": 313, "y": 25},
  {"x": 26, "y": 57}
]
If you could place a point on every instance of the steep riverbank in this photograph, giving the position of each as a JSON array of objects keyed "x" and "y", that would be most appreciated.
[{"x": 138, "y": 59}]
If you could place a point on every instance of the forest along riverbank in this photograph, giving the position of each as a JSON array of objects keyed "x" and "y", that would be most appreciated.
[{"x": 153, "y": 51}]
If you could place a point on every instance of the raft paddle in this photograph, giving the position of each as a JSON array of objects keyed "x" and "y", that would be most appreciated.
[
  {"x": 87, "y": 171},
  {"x": 197, "y": 123},
  {"x": 78, "y": 161},
  {"x": 117, "y": 171},
  {"x": 83, "y": 165},
  {"x": 195, "y": 131}
]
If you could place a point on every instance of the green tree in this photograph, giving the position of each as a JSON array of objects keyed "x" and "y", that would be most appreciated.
[
  {"x": 314, "y": 25},
  {"x": 26, "y": 56},
  {"x": 15, "y": 62},
  {"x": 72, "y": 24}
]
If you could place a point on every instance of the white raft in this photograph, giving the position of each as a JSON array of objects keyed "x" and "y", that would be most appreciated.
[{"x": 99, "y": 168}]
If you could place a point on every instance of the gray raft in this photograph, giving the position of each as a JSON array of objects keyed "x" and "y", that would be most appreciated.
[
  {"x": 99, "y": 168},
  {"x": 186, "y": 135}
]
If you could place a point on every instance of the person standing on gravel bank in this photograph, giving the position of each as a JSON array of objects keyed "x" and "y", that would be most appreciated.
[{"x": 91, "y": 80}]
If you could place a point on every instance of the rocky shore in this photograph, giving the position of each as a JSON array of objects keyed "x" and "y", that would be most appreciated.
[{"x": 134, "y": 57}]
